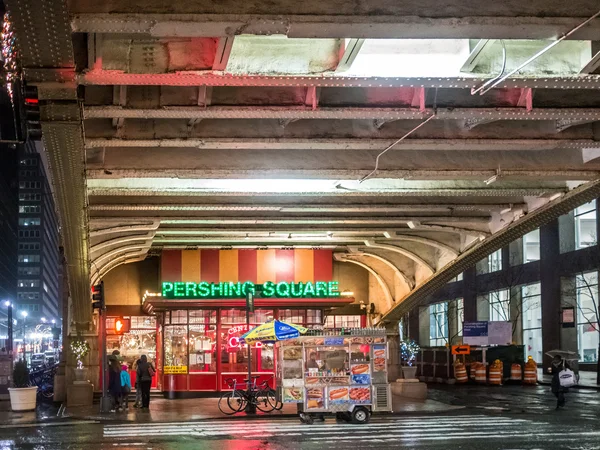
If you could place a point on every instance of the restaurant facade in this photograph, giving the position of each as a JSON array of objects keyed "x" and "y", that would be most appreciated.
[{"x": 190, "y": 325}]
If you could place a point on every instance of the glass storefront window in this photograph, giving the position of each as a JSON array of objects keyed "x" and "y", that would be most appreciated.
[
  {"x": 585, "y": 225},
  {"x": 342, "y": 322},
  {"x": 203, "y": 316},
  {"x": 438, "y": 324},
  {"x": 202, "y": 348},
  {"x": 175, "y": 344},
  {"x": 531, "y": 246},
  {"x": 587, "y": 318},
  {"x": 499, "y": 305},
  {"x": 179, "y": 317},
  {"x": 532, "y": 321},
  {"x": 137, "y": 342}
]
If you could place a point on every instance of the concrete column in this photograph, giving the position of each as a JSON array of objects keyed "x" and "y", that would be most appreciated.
[
  {"x": 505, "y": 251},
  {"x": 550, "y": 287},
  {"x": 470, "y": 294},
  {"x": 483, "y": 308},
  {"x": 515, "y": 252},
  {"x": 566, "y": 225},
  {"x": 413, "y": 325}
]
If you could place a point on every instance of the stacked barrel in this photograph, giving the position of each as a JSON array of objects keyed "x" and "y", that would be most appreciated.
[
  {"x": 516, "y": 374},
  {"x": 530, "y": 376},
  {"x": 460, "y": 372},
  {"x": 496, "y": 370}
]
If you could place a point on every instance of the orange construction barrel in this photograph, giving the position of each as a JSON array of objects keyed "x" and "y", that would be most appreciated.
[
  {"x": 530, "y": 375},
  {"x": 495, "y": 373},
  {"x": 480, "y": 374},
  {"x": 516, "y": 372},
  {"x": 460, "y": 372}
]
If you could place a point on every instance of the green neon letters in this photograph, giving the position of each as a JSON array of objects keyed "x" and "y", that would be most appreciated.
[{"x": 269, "y": 289}]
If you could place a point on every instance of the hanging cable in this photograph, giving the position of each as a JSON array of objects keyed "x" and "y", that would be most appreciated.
[
  {"x": 476, "y": 90},
  {"x": 482, "y": 90},
  {"x": 366, "y": 177}
]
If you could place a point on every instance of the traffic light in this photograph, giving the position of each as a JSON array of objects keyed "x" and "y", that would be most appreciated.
[
  {"x": 98, "y": 296},
  {"x": 32, "y": 113},
  {"x": 121, "y": 325}
]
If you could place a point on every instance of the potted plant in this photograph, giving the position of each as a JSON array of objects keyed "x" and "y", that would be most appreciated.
[
  {"x": 22, "y": 395},
  {"x": 80, "y": 349},
  {"x": 408, "y": 352}
]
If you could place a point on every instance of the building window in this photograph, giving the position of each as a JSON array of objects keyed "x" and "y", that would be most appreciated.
[
  {"x": 29, "y": 270},
  {"x": 459, "y": 277},
  {"x": 28, "y": 209},
  {"x": 29, "y": 283},
  {"x": 531, "y": 246},
  {"x": 342, "y": 322},
  {"x": 499, "y": 306},
  {"x": 29, "y": 258},
  {"x": 30, "y": 222},
  {"x": 460, "y": 315},
  {"x": 531, "y": 305},
  {"x": 438, "y": 324},
  {"x": 587, "y": 316},
  {"x": 495, "y": 261},
  {"x": 585, "y": 225}
]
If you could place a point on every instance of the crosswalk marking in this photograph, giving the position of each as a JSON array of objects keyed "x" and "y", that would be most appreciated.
[{"x": 382, "y": 429}]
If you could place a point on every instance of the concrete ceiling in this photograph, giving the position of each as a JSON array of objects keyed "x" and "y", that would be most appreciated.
[{"x": 251, "y": 124}]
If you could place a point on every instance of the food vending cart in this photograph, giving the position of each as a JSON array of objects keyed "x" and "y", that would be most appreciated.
[{"x": 341, "y": 373}]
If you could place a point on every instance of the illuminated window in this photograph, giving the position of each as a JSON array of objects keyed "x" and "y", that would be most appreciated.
[
  {"x": 438, "y": 324},
  {"x": 587, "y": 316},
  {"x": 531, "y": 246},
  {"x": 499, "y": 305},
  {"x": 532, "y": 321},
  {"x": 495, "y": 261},
  {"x": 585, "y": 225}
]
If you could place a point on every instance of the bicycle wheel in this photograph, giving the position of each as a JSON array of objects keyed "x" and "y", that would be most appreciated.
[
  {"x": 277, "y": 405},
  {"x": 227, "y": 405},
  {"x": 237, "y": 401},
  {"x": 265, "y": 400}
]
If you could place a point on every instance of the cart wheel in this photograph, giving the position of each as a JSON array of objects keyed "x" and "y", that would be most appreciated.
[
  {"x": 306, "y": 418},
  {"x": 361, "y": 415}
]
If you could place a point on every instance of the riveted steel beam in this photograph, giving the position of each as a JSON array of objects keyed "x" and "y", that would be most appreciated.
[
  {"x": 300, "y": 208},
  {"x": 208, "y": 78},
  {"x": 353, "y": 113},
  {"x": 355, "y": 174},
  {"x": 345, "y": 144},
  {"x": 531, "y": 191},
  {"x": 470, "y": 257},
  {"x": 417, "y": 26}
]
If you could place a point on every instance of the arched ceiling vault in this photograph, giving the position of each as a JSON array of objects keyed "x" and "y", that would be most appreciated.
[{"x": 188, "y": 125}]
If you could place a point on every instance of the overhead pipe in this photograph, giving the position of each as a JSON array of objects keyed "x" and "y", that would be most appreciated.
[{"x": 484, "y": 88}]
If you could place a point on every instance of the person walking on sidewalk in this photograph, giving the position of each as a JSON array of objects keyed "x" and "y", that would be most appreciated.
[
  {"x": 114, "y": 383},
  {"x": 125, "y": 387},
  {"x": 558, "y": 365},
  {"x": 145, "y": 372},
  {"x": 138, "y": 388}
]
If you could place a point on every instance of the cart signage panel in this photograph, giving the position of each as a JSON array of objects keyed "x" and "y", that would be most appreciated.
[{"x": 176, "y": 290}]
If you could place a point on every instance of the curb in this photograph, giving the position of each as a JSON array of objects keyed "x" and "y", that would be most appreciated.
[{"x": 577, "y": 386}]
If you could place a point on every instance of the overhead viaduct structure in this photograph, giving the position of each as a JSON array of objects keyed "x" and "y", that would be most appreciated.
[{"x": 369, "y": 127}]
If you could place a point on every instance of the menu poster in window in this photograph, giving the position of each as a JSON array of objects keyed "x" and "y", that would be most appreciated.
[
  {"x": 359, "y": 369},
  {"x": 338, "y": 395},
  {"x": 207, "y": 358},
  {"x": 198, "y": 345},
  {"x": 360, "y": 395},
  {"x": 193, "y": 359},
  {"x": 175, "y": 370},
  {"x": 315, "y": 398},
  {"x": 293, "y": 395}
]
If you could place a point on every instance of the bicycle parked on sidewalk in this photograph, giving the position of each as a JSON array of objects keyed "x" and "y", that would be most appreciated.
[{"x": 262, "y": 396}]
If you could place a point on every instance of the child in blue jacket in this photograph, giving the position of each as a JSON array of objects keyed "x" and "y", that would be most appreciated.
[{"x": 125, "y": 387}]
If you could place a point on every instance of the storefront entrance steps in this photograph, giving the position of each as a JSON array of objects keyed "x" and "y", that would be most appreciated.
[{"x": 163, "y": 410}]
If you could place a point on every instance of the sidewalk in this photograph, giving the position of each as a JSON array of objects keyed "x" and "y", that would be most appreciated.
[
  {"x": 45, "y": 412},
  {"x": 587, "y": 380},
  {"x": 185, "y": 410}
]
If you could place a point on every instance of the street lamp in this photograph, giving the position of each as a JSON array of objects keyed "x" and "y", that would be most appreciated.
[
  {"x": 53, "y": 321},
  {"x": 24, "y": 314},
  {"x": 43, "y": 319}
]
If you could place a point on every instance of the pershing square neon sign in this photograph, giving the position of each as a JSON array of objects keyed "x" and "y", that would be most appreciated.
[{"x": 283, "y": 289}]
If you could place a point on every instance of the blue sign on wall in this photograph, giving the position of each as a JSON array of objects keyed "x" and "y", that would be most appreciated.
[{"x": 475, "y": 329}]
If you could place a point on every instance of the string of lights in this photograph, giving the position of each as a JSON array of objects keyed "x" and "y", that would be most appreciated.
[{"x": 9, "y": 54}]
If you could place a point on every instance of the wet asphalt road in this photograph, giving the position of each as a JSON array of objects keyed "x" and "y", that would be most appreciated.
[{"x": 498, "y": 418}]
